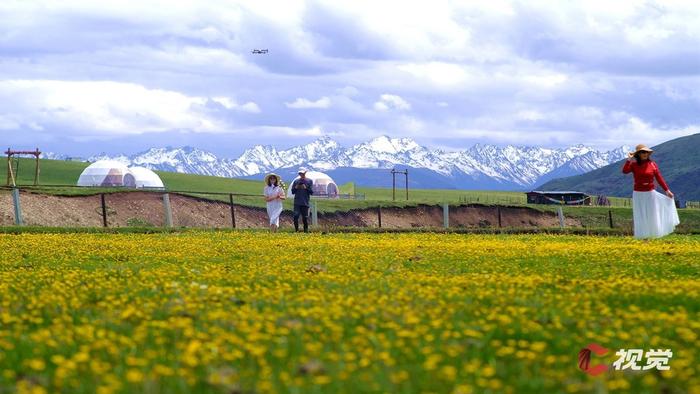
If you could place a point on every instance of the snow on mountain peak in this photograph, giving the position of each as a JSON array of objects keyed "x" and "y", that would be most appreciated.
[
  {"x": 517, "y": 165},
  {"x": 384, "y": 144}
]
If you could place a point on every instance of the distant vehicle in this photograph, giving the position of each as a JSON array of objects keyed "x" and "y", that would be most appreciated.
[{"x": 558, "y": 197}]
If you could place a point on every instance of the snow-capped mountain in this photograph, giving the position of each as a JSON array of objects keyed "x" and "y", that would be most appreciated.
[
  {"x": 509, "y": 167},
  {"x": 185, "y": 160},
  {"x": 53, "y": 156}
]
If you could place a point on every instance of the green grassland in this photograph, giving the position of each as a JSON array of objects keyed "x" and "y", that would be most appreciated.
[{"x": 66, "y": 173}]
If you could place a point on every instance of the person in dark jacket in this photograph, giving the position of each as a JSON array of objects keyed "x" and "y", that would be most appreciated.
[{"x": 302, "y": 189}]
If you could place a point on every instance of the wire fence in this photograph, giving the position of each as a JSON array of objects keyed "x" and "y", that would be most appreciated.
[{"x": 70, "y": 206}]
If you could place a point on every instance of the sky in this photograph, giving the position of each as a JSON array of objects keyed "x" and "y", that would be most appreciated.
[{"x": 82, "y": 77}]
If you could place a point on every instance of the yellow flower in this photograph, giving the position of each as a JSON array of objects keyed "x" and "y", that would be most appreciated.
[
  {"x": 36, "y": 364},
  {"x": 134, "y": 376},
  {"x": 488, "y": 371}
]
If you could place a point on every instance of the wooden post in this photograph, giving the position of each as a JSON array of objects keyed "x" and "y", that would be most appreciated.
[
  {"x": 407, "y": 184},
  {"x": 314, "y": 213},
  {"x": 498, "y": 209},
  {"x": 561, "y": 217},
  {"x": 446, "y": 215},
  {"x": 10, "y": 172},
  {"x": 9, "y": 167},
  {"x": 394, "y": 171},
  {"x": 36, "y": 169},
  {"x": 104, "y": 210},
  {"x": 379, "y": 215},
  {"x": 17, "y": 206},
  {"x": 233, "y": 210},
  {"x": 168, "y": 211},
  {"x": 610, "y": 217}
]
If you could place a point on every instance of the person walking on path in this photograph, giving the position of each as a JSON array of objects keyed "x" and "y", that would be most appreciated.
[
  {"x": 654, "y": 214},
  {"x": 274, "y": 195},
  {"x": 302, "y": 189}
]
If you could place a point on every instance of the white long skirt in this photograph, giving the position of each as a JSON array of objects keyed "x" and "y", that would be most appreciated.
[
  {"x": 274, "y": 210},
  {"x": 655, "y": 214}
]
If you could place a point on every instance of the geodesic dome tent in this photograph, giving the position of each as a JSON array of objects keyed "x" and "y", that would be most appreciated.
[
  {"x": 145, "y": 178},
  {"x": 107, "y": 173},
  {"x": 323, "y": 185}
]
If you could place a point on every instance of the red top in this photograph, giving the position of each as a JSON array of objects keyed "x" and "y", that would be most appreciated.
[{"x": 644, "y": 175}]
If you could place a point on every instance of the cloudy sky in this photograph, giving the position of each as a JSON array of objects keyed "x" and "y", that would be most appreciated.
[{"x": 82, "y": 76}]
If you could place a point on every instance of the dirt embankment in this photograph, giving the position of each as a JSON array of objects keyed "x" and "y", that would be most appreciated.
[{"x": 145, "y": 209}]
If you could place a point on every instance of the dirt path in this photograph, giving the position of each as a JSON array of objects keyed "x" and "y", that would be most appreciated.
[{"x": 141, "y": 208}]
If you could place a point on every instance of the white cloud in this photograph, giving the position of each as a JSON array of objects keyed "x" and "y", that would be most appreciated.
[
  {"x": 276, "y": 131},
  {"x": 634, "y": 130},
  {"x": 531, "y": 115},
  {"x": 414, "y": 29},
  {"x": 102, "y": 107},
  {"x": 8, "y": 123},
  {"x": 348, "y": 91},
  {"x": 547, "y": 80},
  {"x": 391, "y": 101},
  {"x": 439, "y": 73},
  {"x": 509, "y": 69},
  {"x": 229, "y": 103},
  {"x": 302, "y": 103}
]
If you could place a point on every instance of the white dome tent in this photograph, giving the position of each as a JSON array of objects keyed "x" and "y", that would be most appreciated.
[
  {"x": 323, "y": 185},
  {"x": 107, "y": 173},
  {"x": 145, "y": 178}
]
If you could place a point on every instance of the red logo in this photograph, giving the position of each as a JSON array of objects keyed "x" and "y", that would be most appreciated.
[{"x": 584, "y": 359}]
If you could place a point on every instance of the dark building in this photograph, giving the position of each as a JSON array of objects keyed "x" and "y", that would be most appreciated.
[{"x": 558, "y": 198}]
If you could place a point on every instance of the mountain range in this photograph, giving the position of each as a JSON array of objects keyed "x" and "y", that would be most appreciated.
[{"x": 479, "y": 167}]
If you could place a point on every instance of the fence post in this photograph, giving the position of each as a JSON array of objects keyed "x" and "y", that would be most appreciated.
[
  {"x": 446, "y": 215},
  {"x": 498, "y": 209},
  {"x": 314, "y": 213},
  {"x": 379, "y": 215},
  {"x": 561, "y": 217},
  {"x": 168, "y": 211},
  {"x": 610, "y": 217},
  {"x": 104, "y": 210},
  {"x": 233, "y": 210},
  {"x": 18, "y": 208}
]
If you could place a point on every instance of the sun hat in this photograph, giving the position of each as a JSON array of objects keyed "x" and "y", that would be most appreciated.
[
  {"x": 268, "y": 176},
  {"x": 302, "y": 170},
  {"x": 641, "y": 148}
]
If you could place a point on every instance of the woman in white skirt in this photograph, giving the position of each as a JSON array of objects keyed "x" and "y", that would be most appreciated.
[
  {"x": 274, "y": 194},
  {"x": 654, "y": 214}
]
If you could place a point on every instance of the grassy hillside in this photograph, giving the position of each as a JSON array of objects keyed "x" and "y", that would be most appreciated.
[
  {"x": 677, "y": 160},
  {"x": 54, "y": 172},
  {"x": 57, "y": 172},
  {"x": 66, "y": 173}
]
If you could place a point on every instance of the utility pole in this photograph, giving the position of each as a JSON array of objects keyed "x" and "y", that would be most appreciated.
[{"x": 393, "y": 182}]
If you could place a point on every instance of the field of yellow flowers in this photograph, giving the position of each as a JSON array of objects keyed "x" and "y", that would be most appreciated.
[{"x": 245, "y": 312}]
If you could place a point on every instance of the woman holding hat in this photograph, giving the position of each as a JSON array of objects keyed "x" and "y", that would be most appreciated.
[
  {"x": 654, "y": 214},
  {"x": 274, "y": 194}
]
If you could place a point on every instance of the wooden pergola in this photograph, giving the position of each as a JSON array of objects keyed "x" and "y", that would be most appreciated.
[{"x": 12, "y": 170}]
